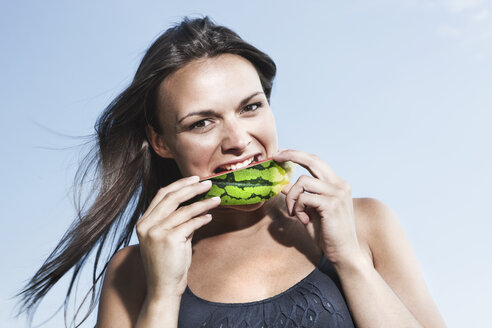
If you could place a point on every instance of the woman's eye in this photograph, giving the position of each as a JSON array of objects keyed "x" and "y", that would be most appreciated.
[
  {"x": 252, "y": 107},
  {"x": 206, "y": 122},
  {"x": 200, "y": 124}
]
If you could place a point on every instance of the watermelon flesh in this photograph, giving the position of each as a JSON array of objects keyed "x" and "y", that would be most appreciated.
[{"x": 250, "y": 185}]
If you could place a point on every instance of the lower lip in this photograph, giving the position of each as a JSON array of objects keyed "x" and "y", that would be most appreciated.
[{"x": 244, "y": 207}]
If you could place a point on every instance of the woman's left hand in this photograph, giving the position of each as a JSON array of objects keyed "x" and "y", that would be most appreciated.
[{"x": 323, "y": 202}]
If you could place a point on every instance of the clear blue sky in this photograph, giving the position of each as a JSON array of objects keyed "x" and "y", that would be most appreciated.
[{"x": 394, "y": 96}]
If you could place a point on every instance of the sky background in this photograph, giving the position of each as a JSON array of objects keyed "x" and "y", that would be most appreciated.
[{"x": 396, "y": 96}]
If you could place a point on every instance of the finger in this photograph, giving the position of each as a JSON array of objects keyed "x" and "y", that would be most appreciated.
[
  {"x": 315, "y": 165},
  {"x": 193, "y": 210},
  {"x": 286, "y": 188},
  {"x": 303, "y": 202},
  {"x": 311, "y": 185},
  {"x": 170, "y": 188},
  {"x": 172, "y": 199},
  {"x": 187, "y": 228}
]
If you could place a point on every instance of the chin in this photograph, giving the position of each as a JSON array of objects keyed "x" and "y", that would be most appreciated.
[{"x": 244, "y": 208}]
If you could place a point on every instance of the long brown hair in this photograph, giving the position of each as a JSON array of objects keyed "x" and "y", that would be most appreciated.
[{"x": 123, "y": 171}]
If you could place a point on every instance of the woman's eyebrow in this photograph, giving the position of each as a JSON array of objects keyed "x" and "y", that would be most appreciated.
[
  {"x": 248, "y": 98},
  {"x": 209, "y": 112}
]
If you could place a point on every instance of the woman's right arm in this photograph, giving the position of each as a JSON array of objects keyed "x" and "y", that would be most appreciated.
[
  {"x": 123, "y": 301},
  {"x": 143, "y": 284}
]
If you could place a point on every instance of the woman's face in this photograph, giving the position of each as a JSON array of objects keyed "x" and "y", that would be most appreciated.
[{"x": 215, "y": 116}]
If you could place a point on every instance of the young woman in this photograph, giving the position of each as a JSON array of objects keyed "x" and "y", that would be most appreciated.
[{"x": 310, "y": 257}]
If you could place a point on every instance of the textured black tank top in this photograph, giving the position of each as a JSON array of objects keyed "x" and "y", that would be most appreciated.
[{"x": 315, "y": 301}]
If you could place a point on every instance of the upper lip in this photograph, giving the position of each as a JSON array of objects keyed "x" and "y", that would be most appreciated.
[{"x": 240, "y": 160}]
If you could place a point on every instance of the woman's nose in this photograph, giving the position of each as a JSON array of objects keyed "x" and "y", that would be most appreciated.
[{"x": 235, "y": 138}]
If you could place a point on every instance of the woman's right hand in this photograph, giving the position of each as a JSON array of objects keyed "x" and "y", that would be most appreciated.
[{"x": 165, "y": 231}]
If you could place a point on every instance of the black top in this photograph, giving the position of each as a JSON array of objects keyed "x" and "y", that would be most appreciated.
[{"x": 315, "y": 301}]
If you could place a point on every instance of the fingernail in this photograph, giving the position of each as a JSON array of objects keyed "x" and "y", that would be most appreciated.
[
  {"x": 208, "y": 216},
  {"x": 215, "y": 198},
  {"x": 194, "y": 178},
  {"x": 206, "y": 182}
]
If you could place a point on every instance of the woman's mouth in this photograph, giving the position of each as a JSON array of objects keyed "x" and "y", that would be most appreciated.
[{"x": 237, "y": 165}]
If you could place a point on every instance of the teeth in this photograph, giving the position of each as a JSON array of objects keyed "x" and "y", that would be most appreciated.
[{"x": 238, "y": 165}]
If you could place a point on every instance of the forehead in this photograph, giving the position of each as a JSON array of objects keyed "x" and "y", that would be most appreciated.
[{"x": 207, "y": 83}]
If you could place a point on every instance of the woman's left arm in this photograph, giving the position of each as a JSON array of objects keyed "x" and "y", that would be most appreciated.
[{"x": 385, "y": 289}]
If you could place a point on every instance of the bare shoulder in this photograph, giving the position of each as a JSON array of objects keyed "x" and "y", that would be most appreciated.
[
  {"x": 374, "y": 219},
  {"x": 379, "y": 229},
  {"x": 372, "y": 213},
  {"x": 125, "y": 263},
  {"x": 123, "y": 290}
]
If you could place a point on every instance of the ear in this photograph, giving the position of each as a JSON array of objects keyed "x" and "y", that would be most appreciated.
[{"x": 157, "y": 143}]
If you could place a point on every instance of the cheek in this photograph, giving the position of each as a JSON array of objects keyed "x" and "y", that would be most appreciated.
[
  {"x": 268, "y": 133},
  {"x": 193, "y": 155}
]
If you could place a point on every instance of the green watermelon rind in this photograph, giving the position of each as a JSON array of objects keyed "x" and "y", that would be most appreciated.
[{"x": 251, "y": 185}]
